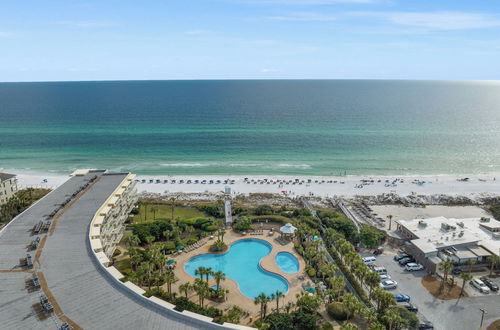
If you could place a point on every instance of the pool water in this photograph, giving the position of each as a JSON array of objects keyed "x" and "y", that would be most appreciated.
[
  {"x": 287, "y": 262},
  {"x": 241, "y": 264}
]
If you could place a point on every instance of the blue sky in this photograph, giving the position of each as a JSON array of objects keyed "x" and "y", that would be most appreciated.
[{"x": 255, "y": 39}]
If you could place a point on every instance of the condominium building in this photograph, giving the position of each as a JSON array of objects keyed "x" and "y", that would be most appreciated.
[{"x": 8, "y": 186}]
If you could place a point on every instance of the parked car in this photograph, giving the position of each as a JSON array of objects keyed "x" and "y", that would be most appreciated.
[
  {"x": 411, "y": 307},
  {"x": 425, "y": 325},
  {"x": 379, "y": 270},
  {"x": 490, "y": 284},
  {"x": 385, "y": 277},
  {"x": 400, "y": 297},
  {"x": 456, "y": 271},
  {"x": 378, "y": 251},
  {"x": 388, "y": 284},
  {"x": 405, "y": 261},
  {"x": 413, "y": 267},
  {"x": 478, "y": 284},
  {"x": 369, "y": 260},
  {"x": 400, "y": 256}
]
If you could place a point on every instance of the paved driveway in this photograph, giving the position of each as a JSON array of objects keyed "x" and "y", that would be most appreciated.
[{"x": 460, "y": 314}]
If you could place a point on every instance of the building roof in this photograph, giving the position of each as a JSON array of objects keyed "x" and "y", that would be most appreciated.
[
  {"x": 6, "y": 176},
  {"x": 437, "y": 233},
  {"x": 84, "y": 291}
]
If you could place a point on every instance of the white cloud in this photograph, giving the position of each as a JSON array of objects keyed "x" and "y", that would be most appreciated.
[
  {"x": 443, "y": 20},
  {"x": 88, "y": 24},
  {"x": 303, "y": 17}
]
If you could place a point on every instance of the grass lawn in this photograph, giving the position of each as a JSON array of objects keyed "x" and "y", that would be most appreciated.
[{"x": 165, "y": 212}]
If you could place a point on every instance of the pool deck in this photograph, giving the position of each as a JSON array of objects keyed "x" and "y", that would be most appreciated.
[{"x": 235, "y": 297}]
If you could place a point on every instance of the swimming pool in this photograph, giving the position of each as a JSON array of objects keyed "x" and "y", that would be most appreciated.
[
  {"x": 287, "y": 262},
  {"x": 241, "y": 264}
]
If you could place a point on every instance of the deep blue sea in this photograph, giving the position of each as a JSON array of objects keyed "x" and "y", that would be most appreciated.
[{"x": 299, "y": 127}]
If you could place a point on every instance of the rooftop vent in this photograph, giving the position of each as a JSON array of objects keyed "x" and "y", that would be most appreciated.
[{"x": 484, "y": 219}]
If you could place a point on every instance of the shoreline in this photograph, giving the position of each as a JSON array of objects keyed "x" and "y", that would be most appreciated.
[{"x": 326, "y": 186}]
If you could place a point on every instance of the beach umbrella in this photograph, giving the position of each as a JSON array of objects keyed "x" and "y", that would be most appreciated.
[
  {"x": 310, "y": 289},
  {"x": 171, "y": 261},
  {"x": 180, "y": 247}
]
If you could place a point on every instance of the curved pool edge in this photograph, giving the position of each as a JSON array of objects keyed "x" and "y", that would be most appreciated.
[
  {"x": 291, "y": 255},
  {"x": 282, "y": 276}
]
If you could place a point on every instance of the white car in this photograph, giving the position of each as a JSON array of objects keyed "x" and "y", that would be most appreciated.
[
  {"x": 385, "y": 277},
  {"x": 388, "y": 284},
  {"x": 413, "y": 266},
  {"x": 478, "y": 284},
  {"x": 369, "y": 261}
]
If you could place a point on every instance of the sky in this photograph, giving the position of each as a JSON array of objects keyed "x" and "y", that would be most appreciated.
[{"x": 249, "y": 39}]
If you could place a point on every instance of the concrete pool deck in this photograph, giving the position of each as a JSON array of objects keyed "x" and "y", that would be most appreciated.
[{"x": 235, "y": 297}]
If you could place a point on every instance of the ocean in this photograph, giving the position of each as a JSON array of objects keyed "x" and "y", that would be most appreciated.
[{"x": 249, "y": 127}]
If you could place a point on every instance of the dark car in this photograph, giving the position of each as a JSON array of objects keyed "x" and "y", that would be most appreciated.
[
  {"x": 456, "y": 271},
  {"x": 400, "y": 256},
  {"x": 410, "y": 307},
  {"x": 405, "y": 261},
  {"x": 490, "y": 284},
  {"x": 425, "y": 325}
]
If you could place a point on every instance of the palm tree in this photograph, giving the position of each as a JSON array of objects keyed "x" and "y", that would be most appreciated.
[
  {"x": 169, "y": 279},
  {"x": 494, "y": 260},
  {"x": 149, "y": 239},
  {"x": 470, "y": 263},
  {"x": 219, "y": 276},
  {"x": 201, "y": 289},
  {"x": 278, "y": 295},
  {"x": 337, "y": 284},
  {"x": 185, "y": 288},
  {"x": 465, "y": 277},
  {"x": 262, "y": 299},
  {"x": 445, "y": 267},
  {"x": 208, "y": 272},
  {"x": 167, "y": 234},
  {"x": 351, "y": 304},
  {"x": 222, "y": 233},
  {"x": 147, "y": 269},
  {"x": 154, "y": 209},
  {"x": 372, "y": 280},
  {"x": 132, "y": 240},
  {"x": 288, "y": 307},
  {"x": 200, "y": 271},
  {"x": 369, "y": 315},
  {"x": 348, "y": 326},
  {"x": 392, "y": 317}
]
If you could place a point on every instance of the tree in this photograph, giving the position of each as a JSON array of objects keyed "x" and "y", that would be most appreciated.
[
  {"x": 445, "y": 267},
  {"x": 371, "y": 236},
  {"x": 308, "y": 304},
  {"x": 337, "y": 285},
  {"x": 352, "y": 305},
  {"x": 185, "y": 288},
  {"x": 465, "y": 277},
  {"x": 470, "y": 263},
  {"x": 219, "y": 276},
  {"x": 391, "y": 317},
  {"x": 277, "y": 296},
  {"x": 383, "y": 298},
  {"x": 348, "y": 326},
  {"x": 170, "y": 279},
  {"x": 494, "y": 260},
  {"x": 150, "y": 239},
  {"x": 376, "y": 326},
  {"x": 132, "y": 240},
  {"x": 208, "y": 272},
  {"x": 372, "y": 280},
  {"x": 201, "y": 289},
  {"x": 264, "y": 209},
  {"x": 262, "y": 299},
  {"x": 154, "y": 209},
  {"x": 200, "y": 271}
]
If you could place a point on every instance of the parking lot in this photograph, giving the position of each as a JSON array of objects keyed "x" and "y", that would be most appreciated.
[{"x": 454, "y": 314}]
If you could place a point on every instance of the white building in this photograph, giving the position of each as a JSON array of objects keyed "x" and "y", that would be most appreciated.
[
  {"x": 8, "y": 186},
  {"x": 435, "y": 239}
]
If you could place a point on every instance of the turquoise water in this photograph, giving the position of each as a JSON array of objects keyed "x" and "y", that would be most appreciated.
[
  {"x": 287, "y": 262},
  {"x": 288, "y": 127},
  {"x": 241, "y": 264}
]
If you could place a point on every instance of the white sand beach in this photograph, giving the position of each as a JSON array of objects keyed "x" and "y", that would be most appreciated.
[{"x": 475, "y": 186}]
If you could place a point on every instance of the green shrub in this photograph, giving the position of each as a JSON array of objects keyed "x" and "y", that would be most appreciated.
[
  {"x": 218, "y": 246},
  {"x": 264, "y": 209},
  {"x": 337, "y": 311},
  {"x": 243, "y": 224},
  {"x": 311, "y": 272},
  {"x": 117, "y": 253},
  {"x": 371, "y": 236},
  {"x": 271, "y": 218}
]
